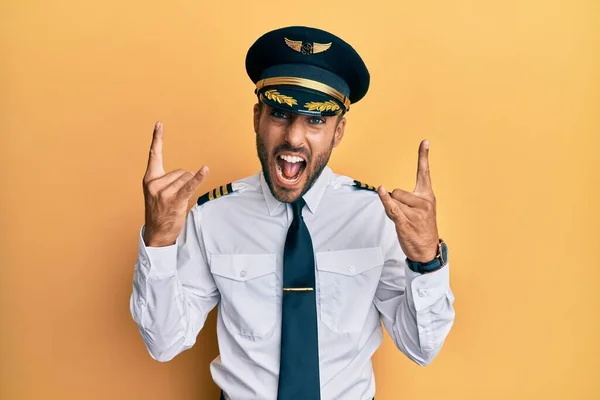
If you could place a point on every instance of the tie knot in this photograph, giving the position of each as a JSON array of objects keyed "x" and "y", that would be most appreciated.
[{"x": 297, "y": 207}]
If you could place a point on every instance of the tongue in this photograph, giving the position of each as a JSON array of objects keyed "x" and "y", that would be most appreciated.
[{"x": 290, "y": 170}]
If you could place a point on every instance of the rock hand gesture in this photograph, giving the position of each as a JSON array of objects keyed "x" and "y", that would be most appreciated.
[
  {"x": 166, "y": 195},
  {"x": 414, "y": 213}
]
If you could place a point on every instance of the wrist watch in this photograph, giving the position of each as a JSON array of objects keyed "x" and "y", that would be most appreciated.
[{"x": 438, "y": 262}]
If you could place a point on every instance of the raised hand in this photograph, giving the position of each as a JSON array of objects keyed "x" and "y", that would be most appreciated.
[
  {"x": 414, "y": 213},
  {"x": 166, "y": 195}
]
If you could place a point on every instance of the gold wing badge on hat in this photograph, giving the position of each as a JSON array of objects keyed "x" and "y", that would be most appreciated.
[{"x": 307, "y": 48}]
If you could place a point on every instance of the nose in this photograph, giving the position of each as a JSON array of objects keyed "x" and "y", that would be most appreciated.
[{"x": 294, "y": 134}]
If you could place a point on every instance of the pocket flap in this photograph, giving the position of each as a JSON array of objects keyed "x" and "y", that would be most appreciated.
[
  {"x": 350, "y": 262},
  {"x": 242, "y": 267}
]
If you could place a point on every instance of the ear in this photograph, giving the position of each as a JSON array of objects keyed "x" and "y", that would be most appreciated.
[
  {"x": 256, "y": 111},
  {"x": 339, "y": 132}
]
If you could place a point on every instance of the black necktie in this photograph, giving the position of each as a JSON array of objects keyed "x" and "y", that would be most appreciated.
[{"x": 299, "y": 368}]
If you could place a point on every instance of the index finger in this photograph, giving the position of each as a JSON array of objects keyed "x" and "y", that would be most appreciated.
[
  {"x": 423, "y": 176},
  {"x": 155, "y": 162}
]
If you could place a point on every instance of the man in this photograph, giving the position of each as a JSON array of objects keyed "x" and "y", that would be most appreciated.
[{"x": 303, "y": 263}]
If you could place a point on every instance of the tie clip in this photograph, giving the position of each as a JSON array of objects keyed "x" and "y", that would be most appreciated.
[{"x": 307, "y": 289}]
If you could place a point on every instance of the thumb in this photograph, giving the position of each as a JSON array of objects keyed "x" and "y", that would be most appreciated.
[{"x": 392, "y": 208}]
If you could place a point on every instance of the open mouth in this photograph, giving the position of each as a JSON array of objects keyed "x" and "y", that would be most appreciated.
[{"x": 290, "y": 169}]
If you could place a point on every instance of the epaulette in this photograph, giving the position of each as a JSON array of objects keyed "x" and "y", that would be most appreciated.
[
  {"x": 364, "y": 186},
  {"x": 215, "y": 194}
]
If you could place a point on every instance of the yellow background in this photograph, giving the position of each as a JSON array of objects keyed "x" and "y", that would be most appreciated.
[{"x": 507, "y": 92}]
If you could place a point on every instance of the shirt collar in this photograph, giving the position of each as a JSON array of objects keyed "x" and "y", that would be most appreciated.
[{"x": 312, "y": 197}]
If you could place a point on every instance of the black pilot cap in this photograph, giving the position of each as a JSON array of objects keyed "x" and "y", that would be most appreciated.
[{"x": 306, "y": 70}]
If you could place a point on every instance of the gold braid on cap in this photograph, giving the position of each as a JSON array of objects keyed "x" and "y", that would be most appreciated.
[
  {"x": 306, "y": 83},
  {"x": 328, "y": 105},
  {"x": 280, "y": 98}
]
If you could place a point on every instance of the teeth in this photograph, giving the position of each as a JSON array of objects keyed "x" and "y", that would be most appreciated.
[{"x": 291, "y": 159}]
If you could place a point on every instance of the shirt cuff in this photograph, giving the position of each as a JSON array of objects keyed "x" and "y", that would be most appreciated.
[
  {"x": 427, "y": 289},
  {"x": 157, "y": 262}
]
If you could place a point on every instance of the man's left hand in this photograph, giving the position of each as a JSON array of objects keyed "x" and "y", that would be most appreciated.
[{"x": 414, "y": 213}]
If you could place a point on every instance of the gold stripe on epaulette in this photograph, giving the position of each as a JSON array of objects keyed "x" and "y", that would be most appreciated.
[
  {"x": 215, "y": 193},
  {"x": 365, "y": 186}
]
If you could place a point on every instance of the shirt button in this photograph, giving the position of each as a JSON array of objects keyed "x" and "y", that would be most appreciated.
[
  {"x": 422, "y": 292},
  {"x": 351, "y": 268},
  {"x": 243, "y": 274}
]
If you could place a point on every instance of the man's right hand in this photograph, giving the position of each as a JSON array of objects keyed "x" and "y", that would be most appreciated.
[{"x": 166, "y": 195}]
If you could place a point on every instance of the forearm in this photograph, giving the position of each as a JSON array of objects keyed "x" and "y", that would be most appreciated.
[
  {"x": 173, "y": 292},
  {"x": 162, "y": 316},
  {"x": 161, "y": 311},
  {"x": 420, "y": 319}
]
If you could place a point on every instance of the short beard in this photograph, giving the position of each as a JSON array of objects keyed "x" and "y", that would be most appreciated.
[{"x": 320, "y": 162}]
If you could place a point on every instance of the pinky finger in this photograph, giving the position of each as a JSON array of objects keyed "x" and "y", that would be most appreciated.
[{"x": 189, "y": 186}]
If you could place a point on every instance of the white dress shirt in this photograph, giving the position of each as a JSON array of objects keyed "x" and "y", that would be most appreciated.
[{"x": 230, "y": 253}]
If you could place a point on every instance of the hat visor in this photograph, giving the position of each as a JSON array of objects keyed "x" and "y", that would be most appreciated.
[{"x": 299, "y": 100}]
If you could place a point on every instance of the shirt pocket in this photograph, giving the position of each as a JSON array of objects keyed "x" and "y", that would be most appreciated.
[
  {"x": 247, "y": 284},
  {"x": 348, "y": 280}
]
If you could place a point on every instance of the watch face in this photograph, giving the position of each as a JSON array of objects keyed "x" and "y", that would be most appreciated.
[
  {"x": 445, "y": 253},
  {"x": 440, "y": 260}
]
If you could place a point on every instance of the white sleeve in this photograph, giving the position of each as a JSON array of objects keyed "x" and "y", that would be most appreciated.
[
  {"x": 173, "y": 291},
  {"x": 416, "y": 309}
]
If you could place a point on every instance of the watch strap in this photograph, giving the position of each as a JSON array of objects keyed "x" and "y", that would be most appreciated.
[{"x": 438, "y": 262}]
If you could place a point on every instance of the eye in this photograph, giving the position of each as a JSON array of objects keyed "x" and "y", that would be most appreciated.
[
  {"x": 316, "y": 120},
  {"x": 279, "y": 114}
]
